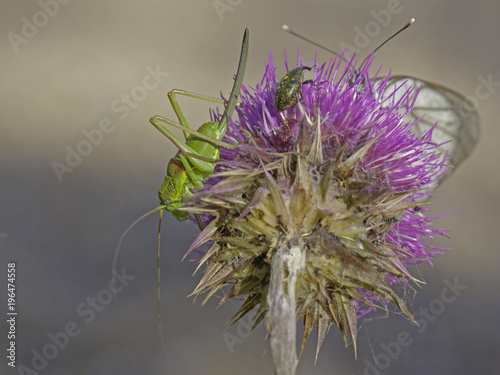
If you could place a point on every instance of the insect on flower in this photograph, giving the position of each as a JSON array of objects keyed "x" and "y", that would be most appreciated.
[
  {"x": 455, "y": 125},
  {"x": 318, "y": 213},
  {"x": 288, "y": 90},
  {"x": 195, "y": 160}
]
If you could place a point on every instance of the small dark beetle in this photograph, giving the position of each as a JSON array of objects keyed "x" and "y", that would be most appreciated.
[{"x": 289, "y": 87}]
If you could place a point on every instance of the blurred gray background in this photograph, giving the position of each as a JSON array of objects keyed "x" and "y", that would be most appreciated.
[{"x": 73, "y": 72}]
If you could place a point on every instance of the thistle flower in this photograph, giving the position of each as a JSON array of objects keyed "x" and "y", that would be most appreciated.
[{"x": 318, "y": 212}]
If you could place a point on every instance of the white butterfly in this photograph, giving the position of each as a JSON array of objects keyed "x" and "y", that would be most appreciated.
[{"x": 457, "y": 128}]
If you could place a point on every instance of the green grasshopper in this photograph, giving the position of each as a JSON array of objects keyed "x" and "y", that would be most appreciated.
[{"x": 195, "y": 161}]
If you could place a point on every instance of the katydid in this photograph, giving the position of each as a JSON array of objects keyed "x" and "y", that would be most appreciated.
[{"x": 195, "y": 161}]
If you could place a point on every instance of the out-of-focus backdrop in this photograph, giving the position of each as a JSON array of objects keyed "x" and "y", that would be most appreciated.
[{"x": 80, "y": 161}]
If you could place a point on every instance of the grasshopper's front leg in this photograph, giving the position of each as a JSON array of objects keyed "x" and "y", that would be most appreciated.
[
  {"x": 157, "y": 123},
  {"x": 177, "y": 108}
]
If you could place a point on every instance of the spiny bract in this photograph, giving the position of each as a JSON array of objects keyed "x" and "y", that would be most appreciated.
[{"x": 339, "y": 175}]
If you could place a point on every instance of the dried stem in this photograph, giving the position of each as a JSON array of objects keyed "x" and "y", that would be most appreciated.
[{"x": 288, "y": 260}]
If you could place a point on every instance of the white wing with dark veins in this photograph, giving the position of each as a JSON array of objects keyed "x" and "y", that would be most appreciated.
[{"x": 457, "y": 120}]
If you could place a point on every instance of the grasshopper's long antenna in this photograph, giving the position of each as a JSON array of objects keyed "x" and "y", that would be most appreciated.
[
  {"x": 408, "y": 24},
  {"x": 117, "y": 251},
  {"x": 115, "y": 260},
  {"x": 158, "y": 308},
  {"x": 235, "y": 92}
]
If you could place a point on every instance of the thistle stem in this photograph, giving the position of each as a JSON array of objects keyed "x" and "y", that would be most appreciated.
[{"x": 281, "y": 320}]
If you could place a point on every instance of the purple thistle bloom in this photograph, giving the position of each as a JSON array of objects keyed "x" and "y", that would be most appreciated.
[{"x": 336, "y": 183}]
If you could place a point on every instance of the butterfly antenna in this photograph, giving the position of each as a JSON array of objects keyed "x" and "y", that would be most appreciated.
[
  {"x": 289, "y": 30},
  {"x": 408, "y": 24}
]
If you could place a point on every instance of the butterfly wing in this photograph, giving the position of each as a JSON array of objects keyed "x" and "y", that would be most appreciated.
[{"x": 457, "y": 129}]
